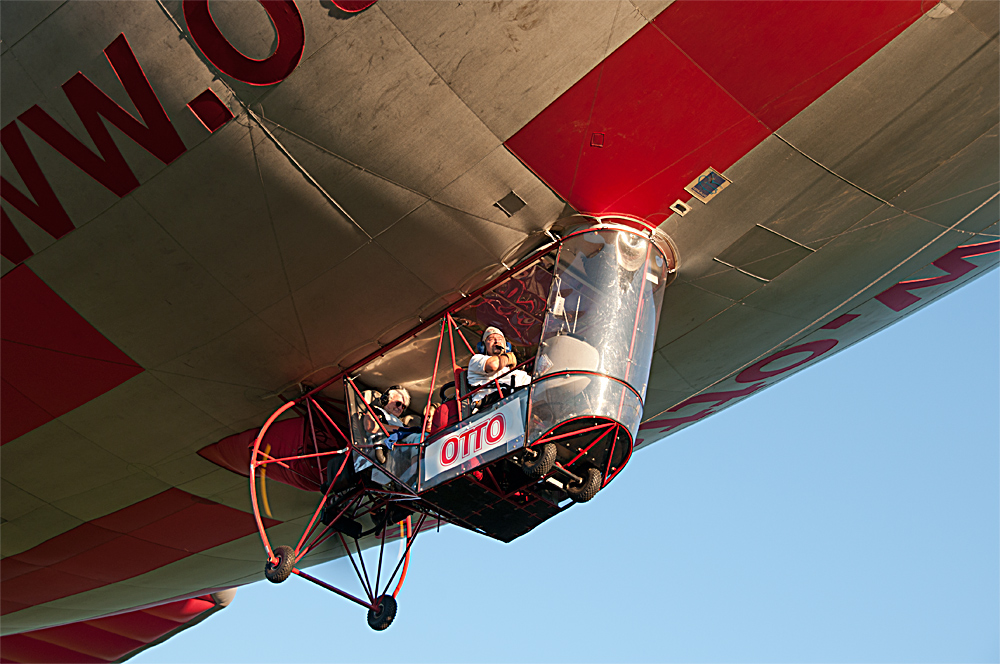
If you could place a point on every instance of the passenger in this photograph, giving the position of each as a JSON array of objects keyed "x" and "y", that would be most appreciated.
[
  {"x": 387, "y": 410},
  {"x": 429, "y": 415},
  {"x": 494, "y": 363}
]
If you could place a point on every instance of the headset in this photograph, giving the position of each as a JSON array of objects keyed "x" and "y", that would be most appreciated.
[
  {"x": 383, "y": 400},
  {"x": 481, "y": 347}
]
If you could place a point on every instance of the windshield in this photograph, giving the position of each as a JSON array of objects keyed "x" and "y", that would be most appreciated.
[{"x": 604, "y": 306}]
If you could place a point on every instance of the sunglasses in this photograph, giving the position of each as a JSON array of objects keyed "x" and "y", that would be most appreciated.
[{"x": 396, "y": 404}]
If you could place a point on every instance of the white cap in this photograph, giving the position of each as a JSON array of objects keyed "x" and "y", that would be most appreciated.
[{"x": 492, "y": 330}]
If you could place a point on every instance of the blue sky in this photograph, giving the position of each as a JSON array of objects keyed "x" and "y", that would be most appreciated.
[{"x": 850, "y": 513}]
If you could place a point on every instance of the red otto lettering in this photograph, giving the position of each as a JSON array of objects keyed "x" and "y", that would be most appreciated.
[
  {"x": 757, "y": 371},
  {"x": 478, "y": 431},
  {"x": 449, "y": 451},
  {"x": 715, "y": 398},
  {"x": 273, "y": 69},
  {"x": 471, "y": 441},
  {"x": 899, "y": 297},
  {"x": 839, "y": 322},
  {"x": 495, "y": 429}
]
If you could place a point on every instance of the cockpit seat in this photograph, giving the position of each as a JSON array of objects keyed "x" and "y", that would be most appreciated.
[
  {"x": 463, "y": 390},
  {"x": 448, "y": 412},
  {"x": 445, "y": 415},
  {"x": 567, "y": 352}
]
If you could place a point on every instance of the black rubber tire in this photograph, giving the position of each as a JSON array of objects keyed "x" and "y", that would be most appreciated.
[
  {"x": 583, "y": 491},
  {"x": 382, "y": 618},
  {"x": 538, "y": 460},
  {"x": 283, "y": 569}
]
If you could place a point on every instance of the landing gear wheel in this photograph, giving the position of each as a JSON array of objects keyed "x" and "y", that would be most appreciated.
[
  {"x": 538, "y": 460},
  {"x": 583, "y": 491},
  {"x": 281, "y": 570},
  {"x": 381, "y": 616}
]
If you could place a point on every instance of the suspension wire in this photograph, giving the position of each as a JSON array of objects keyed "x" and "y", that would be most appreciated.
[
  {"x": 322, "y": 503},
  {"x": 381, "y": 548},
  {"x": 430, "y": 397},
  {"x": 361, "y": 559},
  {"x": 263, "y": 483},
  {"x": 412, "y": 538},
  {"x": 350, "y": 557}
]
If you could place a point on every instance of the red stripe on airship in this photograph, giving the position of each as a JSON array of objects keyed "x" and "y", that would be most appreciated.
[
  {"x": 137, "y": 539},
  {"x": 701, "y": 86},
  {"x": 53, "y": 360}
]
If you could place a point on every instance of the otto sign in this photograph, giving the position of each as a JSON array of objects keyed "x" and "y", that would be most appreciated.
[{"x": 472, "y": 444}]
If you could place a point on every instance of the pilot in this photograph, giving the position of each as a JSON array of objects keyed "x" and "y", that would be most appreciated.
[
  {"x": 388, "y": 410},
  {"x": 395, "y": 401},
  {"x": 494, "y": 360}
]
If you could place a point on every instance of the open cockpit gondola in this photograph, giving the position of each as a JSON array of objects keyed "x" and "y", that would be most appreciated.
[{"x": 552, "y": 422}]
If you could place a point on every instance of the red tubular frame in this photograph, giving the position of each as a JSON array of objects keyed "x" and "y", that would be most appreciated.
[
  {"x": 635, "y": 326},
  {"x": 574, "y": 372},
  {"x": 351, "y": 502},
  {"x": 544, "y": 438},
  {"x": 319, "y": 509},
  {"x": 375, "y": 497},
  {"x": 368, "y": 406},
  {"x": 253, "y": 478},
  {"x": 594, "y": 442},
  {"x": 406, "y": 558},
  {"x": 437, "y": 360},
  {"x": 281, "y": 461},
  {"x": 611, "y": 456},
  {"x": 614, "y": 442}
]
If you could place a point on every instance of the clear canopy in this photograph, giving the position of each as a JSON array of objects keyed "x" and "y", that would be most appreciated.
[
  {"x": 604, "y": 306},
  {"x": 597, "y": 341}
]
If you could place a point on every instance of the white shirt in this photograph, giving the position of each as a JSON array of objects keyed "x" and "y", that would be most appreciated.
[
  {"x": 477, "y": 371},
  {"x": 479, "y": 376}
]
